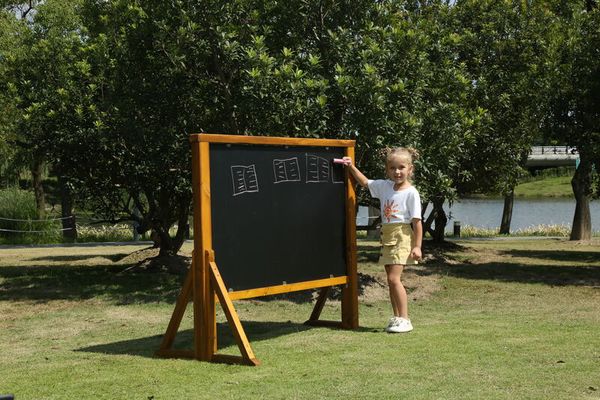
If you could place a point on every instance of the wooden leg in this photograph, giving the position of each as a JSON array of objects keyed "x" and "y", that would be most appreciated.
[
  {"x": 210, "y": 310},
  {"x": 199, "y": 294},
  {"x": 182, "y": 302},
  {"x": 350, "y": 306}
]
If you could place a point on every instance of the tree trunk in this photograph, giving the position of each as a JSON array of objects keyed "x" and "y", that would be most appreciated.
[
  {"x": 509, "y": 200},
  {"x": 437, "y": 217},
  {"x": 427, "y": 222},
  {"x": 440, "y": 220},
  {"x": 37, "y": 168},
  {"x": 183, "y": 227},
  {"x": 582, "y": 184},
  {"x": 68, "y": 219},
  {"x": 169, "y": 246},
  {"x": 590, "y": 5}
]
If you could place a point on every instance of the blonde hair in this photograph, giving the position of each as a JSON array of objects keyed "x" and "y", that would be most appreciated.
[{"x": 410, "y": 154}]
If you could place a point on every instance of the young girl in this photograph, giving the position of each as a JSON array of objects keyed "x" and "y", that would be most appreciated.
[{"x": 401, "y": 231}]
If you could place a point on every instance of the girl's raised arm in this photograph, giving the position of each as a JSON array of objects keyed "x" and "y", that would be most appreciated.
[{"x": 358, "y": 176}]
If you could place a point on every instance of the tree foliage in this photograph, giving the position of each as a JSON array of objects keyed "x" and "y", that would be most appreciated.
[
  {"x": 46, "y": 84},
  {"x": 574, "y": 115},
  {"x": 108, "y": 91}
]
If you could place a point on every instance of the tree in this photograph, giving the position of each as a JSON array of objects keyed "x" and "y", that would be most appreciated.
[
  {"x": 142, "y": 76},
  {"x": 138, "y": 156},
  {"x": 505, "y": 47},
  {"x": 381, "y": 73},
  {"x": 6, "y": 104},
  {"x": 575, "y": 115},
  {"x": 169, "y": 69},
  {"x": 49, "y": 85},
  {"x": 17, "y": 52}
]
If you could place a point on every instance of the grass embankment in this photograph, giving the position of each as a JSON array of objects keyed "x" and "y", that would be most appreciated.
[
  {"x": 548, "y": 187},
  {"x": 496, "y": 320}
]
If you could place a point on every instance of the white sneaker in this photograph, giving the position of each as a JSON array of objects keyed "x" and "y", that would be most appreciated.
[
  {"x": 400, "y": 325},
  {"x": 391, "y": 323}
]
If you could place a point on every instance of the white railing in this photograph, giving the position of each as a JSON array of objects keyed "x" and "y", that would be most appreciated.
[{"x": 553, "y": 150}]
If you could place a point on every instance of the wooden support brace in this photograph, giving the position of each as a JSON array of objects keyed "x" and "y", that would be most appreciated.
[
  {"x": 320, "y": 303},
  {"x": 247, "y": 357}
]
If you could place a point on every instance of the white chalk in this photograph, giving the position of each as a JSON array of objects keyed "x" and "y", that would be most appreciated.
[{"x": 341, "y": 161}]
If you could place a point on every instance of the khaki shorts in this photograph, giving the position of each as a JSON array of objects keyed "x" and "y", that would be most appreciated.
[{"x": 396, "y": 244}]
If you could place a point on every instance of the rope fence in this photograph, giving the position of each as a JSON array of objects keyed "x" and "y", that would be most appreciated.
[
  {"x": 36, "y": 220},
  {"x": 32, "y": 222},
  {"x": 32, "y": 231}
]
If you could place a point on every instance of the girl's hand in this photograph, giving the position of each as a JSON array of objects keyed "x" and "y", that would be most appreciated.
[
  {"x": 347, "y": 161},
  {"x": 416, "y": 254}
]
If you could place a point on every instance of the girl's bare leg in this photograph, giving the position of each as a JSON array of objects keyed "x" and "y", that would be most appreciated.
[{"x": 398, "y": 296}]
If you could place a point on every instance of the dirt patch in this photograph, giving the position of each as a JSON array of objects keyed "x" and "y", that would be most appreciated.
[
  {"x": 423, "y": 280},
  {"x": 139, "y": 256},
  {"x": 148, "y": 260},
  {"x": 590, "y": 243},
  {"x": 420, "y": 283}
]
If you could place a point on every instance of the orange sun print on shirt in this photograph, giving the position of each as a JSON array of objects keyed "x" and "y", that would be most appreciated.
[{"x": 389, "y": 210}]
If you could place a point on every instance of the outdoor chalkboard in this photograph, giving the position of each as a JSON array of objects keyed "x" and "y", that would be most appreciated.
[
  {"x": 278, "y": 214},
  {"x": 272, "y": 215}
]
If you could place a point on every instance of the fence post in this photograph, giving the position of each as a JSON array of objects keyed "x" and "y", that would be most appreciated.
[{"x": 456, "y": 228}]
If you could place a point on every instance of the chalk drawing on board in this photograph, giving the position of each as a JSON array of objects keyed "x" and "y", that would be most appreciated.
[
  {"x": 337, "y": 174},
  {"x": 244, "y": 179},
  {"x": 287, "y": 170},
  {"x": 317, "y": 169}
]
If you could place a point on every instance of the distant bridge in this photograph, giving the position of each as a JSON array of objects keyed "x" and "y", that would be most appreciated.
[{"x": 552, "y": 156}]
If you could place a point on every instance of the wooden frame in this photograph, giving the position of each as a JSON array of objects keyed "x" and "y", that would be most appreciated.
[{"x": 203, "y": 283}]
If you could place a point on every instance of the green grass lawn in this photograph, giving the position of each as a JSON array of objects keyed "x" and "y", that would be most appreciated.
[
  {"x": 547, "y": 187},
  {"x": 493, "y": 320}
]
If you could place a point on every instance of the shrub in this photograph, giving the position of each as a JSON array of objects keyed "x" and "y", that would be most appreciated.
[
  {"x": 104, "y": 233},
  {"x": 19, "y": 223},
  {"x": 468, "y": 231},
  {"x": 544, "y": 230}
]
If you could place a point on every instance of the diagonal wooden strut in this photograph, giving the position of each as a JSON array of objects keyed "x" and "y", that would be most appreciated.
[
  {"x": 218, "y": 287},
  {"x": 318, "y": 308},
  {"x": 235, "y": 324},
  {"x": 319, "y": 304}
]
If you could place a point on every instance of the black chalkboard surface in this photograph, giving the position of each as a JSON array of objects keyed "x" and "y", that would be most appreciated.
[{"x": 278, "y": 214}]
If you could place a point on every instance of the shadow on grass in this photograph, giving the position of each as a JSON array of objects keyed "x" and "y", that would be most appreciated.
[
  {"x": 367, "y": 253},
  {"x": 525, "y": 273},
  {"x": 81, "y": 257},
  {"x": 255, "y": 330},
  {"x": 576, "y": 268},
  {"x": 49, "y": 283},
  {"x": 73, "y": 278},
  {"x": 557, "y": 255},
  {"x": 42, "y": 284}
]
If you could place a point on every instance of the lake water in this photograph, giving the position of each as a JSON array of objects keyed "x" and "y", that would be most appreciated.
[
  {"x": 526, "y": 213},
  {"x": 487, "y": 213}
]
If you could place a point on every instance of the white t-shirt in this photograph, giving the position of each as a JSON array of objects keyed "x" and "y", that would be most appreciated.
[{"x": 396, "y": 206}]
